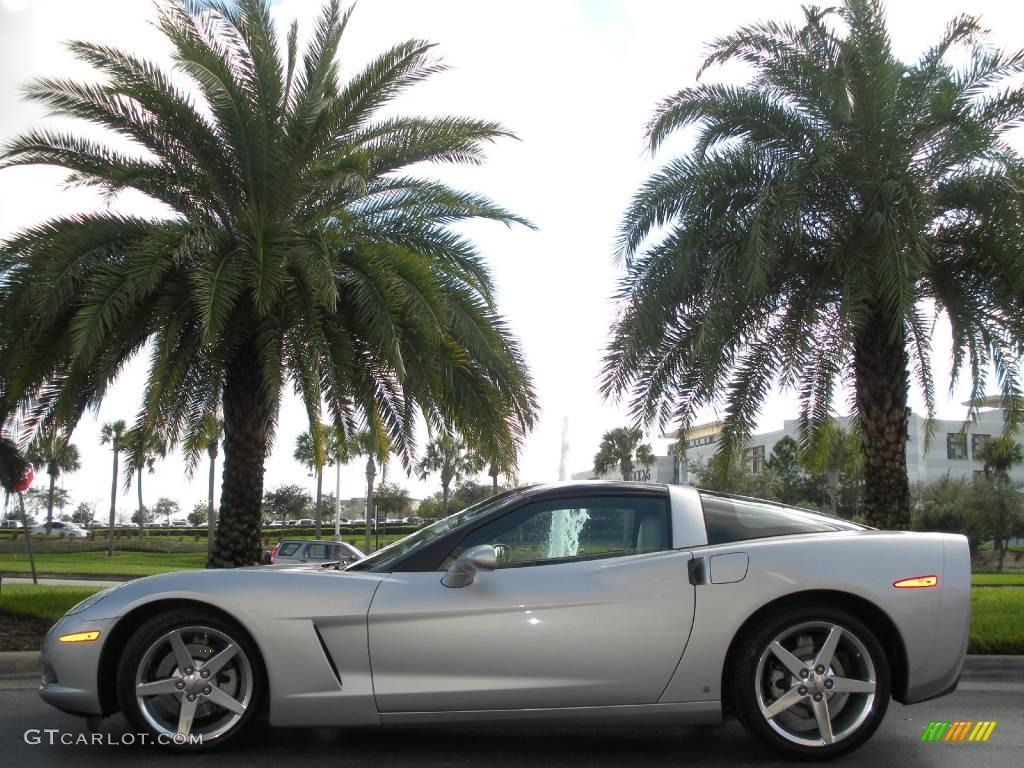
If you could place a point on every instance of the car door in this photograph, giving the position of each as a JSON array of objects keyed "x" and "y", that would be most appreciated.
[{"x": 589, "y": 606}]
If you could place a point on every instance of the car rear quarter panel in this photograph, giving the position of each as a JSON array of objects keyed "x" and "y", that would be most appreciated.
[{"x": 932, "y": 623}]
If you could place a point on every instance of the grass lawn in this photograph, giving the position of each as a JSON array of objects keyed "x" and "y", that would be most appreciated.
[
  {"x": 98, "y": 564},
  {"x": 46, "y": 602},
  {"x": 997, "y": 579},
  {"x": 997, "y": 620}
]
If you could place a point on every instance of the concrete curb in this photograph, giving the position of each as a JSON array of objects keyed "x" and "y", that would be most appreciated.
[{"x": 18, "y": 664}]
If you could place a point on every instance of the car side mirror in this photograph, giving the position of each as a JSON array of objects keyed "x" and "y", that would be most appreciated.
[{"x": 462, "y": 572}]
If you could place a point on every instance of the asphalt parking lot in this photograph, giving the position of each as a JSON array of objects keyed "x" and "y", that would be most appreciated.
[{"x": 896, "y": 743}]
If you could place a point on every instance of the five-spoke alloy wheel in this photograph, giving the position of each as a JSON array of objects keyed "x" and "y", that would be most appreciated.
[
  {"x": 189, "y": 678},
  {"x": 812, "y": 682}
]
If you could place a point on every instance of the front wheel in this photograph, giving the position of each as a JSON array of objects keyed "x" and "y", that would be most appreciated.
[
  {"x": 812, "y": 683},
  {"x": 190, "y": 679}
]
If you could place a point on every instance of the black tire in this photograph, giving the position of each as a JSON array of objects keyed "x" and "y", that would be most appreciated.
[
  {"x": 857, "y": 714},
  {"x": 202, "y": 631}
]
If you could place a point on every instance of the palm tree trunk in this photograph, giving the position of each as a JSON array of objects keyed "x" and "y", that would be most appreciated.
[
  {"x": 494, "y": 481},
  {"x": 444, "y": 502},
  {"x": 371, "y": 472},
  {"x": 247, "y": 417},
  {"x": 113, "y": 502},
  {"x": 319, "y": 498},
  {"x": 142, "y": 511},
  {"x": 211, "y": 525},
  {"x": 49, "y": 504},
  {"x": 880, "y": 365}
]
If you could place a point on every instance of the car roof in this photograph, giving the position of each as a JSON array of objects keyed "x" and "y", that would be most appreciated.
[{"x": 591, "y": 486}]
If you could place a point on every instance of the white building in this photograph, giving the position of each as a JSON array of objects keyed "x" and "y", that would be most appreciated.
[{"x": 953, "y": 448}]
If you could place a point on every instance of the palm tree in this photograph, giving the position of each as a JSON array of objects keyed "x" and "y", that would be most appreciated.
[
  {"x": 449, "y": 456},
  {"x": 113, "y": 433},
  {"x": 212, "y": 435},
  {"x": 999, "y": 455},
  {"x": 306, "y": 454},
  {"x": 142, "y": 451},
  {"x": 52, "y": 450},
  {"x": 300, "y": 250},
  {"x": 828, "y": 207},
  {"x": 622, "y": 447}
]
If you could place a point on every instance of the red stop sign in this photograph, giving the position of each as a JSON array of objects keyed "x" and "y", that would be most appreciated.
[{"x": 26, "y": 480}]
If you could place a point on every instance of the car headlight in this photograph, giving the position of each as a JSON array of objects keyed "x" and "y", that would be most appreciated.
[{"x": 90, "y": 601}]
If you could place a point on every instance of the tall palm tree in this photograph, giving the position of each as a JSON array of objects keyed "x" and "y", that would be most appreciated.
[
  {"x": 449, "y": 456},
  {"x": 299, "y": 249},
  {"x": 53, "y": 451},
  {"x": 369, "y": 444},
  {"x": 113, "y": 433},
  {"x": 999, "y": 455},
  {"x": 212, "y": 435},
  {"x": 828, "y": 208},
  {"x": 142, "y": 451},
  {"x": 306, "y": 447},
  {"x": 621, "y": 447}
]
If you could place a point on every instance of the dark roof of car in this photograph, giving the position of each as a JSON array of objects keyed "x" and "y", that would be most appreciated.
[{"x": 592, "y": 486}]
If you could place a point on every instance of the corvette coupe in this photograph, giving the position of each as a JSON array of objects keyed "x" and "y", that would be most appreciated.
[{"x": 577, "y": 602}]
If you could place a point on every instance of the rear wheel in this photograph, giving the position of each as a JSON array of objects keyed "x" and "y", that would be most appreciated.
[
  {"x": 190, "y": 678},
  {"x": 813, "y": 683}
]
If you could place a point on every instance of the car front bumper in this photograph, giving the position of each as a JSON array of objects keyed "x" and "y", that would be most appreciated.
[{"x": 70, "y": 679}]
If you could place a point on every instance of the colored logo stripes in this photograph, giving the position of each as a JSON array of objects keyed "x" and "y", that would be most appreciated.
[{"x": 958, "y": 730}]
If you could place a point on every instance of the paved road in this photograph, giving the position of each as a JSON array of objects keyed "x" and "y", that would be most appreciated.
[{"x": 896, "y": 743}]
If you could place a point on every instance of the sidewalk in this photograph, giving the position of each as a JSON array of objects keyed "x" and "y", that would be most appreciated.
[{"x": 62, "y": 582}]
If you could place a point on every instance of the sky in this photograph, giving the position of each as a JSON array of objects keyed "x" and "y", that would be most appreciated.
[{"x": 575, "y": 80}]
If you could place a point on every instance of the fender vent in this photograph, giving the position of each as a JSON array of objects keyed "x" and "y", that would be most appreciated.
[{"x": 327, "y": 654}]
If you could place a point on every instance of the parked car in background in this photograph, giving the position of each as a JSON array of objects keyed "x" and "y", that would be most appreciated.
[
  {"x": 10, "y": 523},
  {"x": 305, "y": 522},
  {"x": 180, "y": 524},
  {"x": 300, "y": 551},
  {"x": 59, "y": 528}
]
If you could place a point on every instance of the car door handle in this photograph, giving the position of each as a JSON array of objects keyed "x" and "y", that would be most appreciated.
[{"x": 698, "y": 570}]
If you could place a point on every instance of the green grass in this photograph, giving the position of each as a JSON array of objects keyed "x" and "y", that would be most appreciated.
[
  {"x": 997, "y": 579},
  {"x": 98, "y": 564},
  {"x": 997, "y": 620},
  {"x": 44, "y": 602}
]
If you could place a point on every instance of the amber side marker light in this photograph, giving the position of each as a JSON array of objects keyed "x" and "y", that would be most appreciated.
[
  {"x": 80, "y": 637},
  {"x": 917, "y": 582}
]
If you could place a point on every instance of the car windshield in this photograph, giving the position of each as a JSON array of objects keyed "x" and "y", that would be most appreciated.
[{"x": 382, "y": 559}]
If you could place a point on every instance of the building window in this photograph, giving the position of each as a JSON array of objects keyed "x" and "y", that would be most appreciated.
[
  {"x": 977, "y": 441},
  {"x": 956, "y": 446},
  {"x": 755, "y": 458}
]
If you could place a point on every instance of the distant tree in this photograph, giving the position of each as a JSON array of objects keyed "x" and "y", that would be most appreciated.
[
  {"x": 622, "y": 448},
  {"x": 392, "y": 501},
  {"x": 285, "y": 502},
  {"x": 142, "y": 450},
  {"x": 784, "y": 460},
  {"x": 52, "y": 451},
  {"x": 166, "y": 508},
  {"x": 143, "y": 516},
  {"x": 464, "y": 495},
  {"x": 314, "y": 452},
  {"x": 835, "y": 455},
  {"x": 199, "y": 514},
  {"x": 1003, "y": 508},
  {"x": 112, "y": 434},
  {"x": 84, "y": 513},
  {"x": 448, "y": 456}
]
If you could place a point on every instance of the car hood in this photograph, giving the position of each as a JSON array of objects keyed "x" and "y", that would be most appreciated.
[{"x": 251, "y": 595}]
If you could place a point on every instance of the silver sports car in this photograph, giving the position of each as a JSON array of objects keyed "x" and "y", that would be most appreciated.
[{"x": 573, "y": 602}]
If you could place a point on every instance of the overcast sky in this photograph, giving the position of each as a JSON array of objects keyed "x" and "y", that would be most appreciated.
[{"x": 576, "y": 80}]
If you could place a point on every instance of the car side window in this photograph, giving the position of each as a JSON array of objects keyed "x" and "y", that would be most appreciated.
[
  {"x": 580, "y": 528},
  {"x": 735, "y": 519},
  {"x": 288, "y": 548},
  {"x": 316, "y": 551}
]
